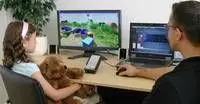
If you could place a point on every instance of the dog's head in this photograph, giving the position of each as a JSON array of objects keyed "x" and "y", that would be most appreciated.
[
  {"x": 74, "y": 73},
  {"x": 52, "y": 67}
]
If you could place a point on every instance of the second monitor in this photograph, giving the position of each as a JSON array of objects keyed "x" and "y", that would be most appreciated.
[{"x": 149, "y": 40}]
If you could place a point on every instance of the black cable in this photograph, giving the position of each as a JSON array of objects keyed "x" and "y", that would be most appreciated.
[
  {"x": 109, "y": 64},
  {"x": 116, "y": 65}
]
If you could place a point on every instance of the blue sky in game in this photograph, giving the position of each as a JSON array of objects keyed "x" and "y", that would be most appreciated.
[{"x": 82, "y": 17}]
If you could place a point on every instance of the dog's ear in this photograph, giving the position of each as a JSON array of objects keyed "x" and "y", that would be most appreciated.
[
  {"x": 44, "y": 65},
  {"x": 64, "y": 82},
  {"x": 43, "y": 68}
]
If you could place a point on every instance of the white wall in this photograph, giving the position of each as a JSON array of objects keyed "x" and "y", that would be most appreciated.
[
  {"x": 131, "y": 11},
  {"x": 3, "y": 24},
  {"x": 5, "y": 18},
  {"x": 2, "y": 29}
]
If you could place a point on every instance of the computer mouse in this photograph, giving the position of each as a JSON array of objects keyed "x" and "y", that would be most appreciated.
[{"x": 120, "y": 70}]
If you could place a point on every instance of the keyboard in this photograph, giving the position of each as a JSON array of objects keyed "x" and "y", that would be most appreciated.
[{"x": 141, "y": 63}]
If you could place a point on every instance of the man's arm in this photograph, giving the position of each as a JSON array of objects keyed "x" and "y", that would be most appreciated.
[
  {"x": 149, "y": 73},
  {"x": 153, "y": 73}
]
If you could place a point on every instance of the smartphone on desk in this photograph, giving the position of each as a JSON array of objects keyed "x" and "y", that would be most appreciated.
[{"x": 93, "y": 64}]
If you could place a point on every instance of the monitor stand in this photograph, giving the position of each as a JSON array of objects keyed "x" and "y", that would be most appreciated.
[{"x": 87, "y": 54}]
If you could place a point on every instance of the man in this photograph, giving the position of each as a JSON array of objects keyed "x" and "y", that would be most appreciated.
[{"x": 181, "y": 85}]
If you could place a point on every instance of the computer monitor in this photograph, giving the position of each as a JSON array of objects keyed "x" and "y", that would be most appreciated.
[
  {"x": 149, "y": 40},
  {"x": 89, "y": 30}
]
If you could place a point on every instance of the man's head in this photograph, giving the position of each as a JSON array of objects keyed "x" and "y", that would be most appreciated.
[{"x": 184, "y": 24}]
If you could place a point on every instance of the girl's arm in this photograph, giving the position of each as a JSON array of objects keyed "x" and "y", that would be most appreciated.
[{"x": 55, "y": 94}]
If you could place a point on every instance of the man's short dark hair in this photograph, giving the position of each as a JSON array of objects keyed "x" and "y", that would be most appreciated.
[{"x": 186, "y": 16}]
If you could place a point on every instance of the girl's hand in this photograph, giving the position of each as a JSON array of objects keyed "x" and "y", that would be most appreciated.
[{"x": 76, "y": 86}]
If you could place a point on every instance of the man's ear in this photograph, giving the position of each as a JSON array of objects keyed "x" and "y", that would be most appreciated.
[{"x": 179, "y": 34}]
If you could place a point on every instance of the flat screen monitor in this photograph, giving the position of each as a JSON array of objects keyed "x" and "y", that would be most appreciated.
[
  {"x": 149, "y": 40},
  {"x": 89, "y": 29}
]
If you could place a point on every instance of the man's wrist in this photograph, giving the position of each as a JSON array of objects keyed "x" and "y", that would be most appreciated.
[{"x": 138, "y": 72}]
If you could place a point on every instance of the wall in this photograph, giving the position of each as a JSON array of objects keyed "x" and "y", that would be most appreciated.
[
  {"x": 4, "y": 19},
  {"x": 131, "y": 10},
  {"x": 2, "y": 29}
]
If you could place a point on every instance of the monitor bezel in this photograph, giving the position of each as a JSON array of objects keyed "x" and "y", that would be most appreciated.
[
  {"x": 133, "y": 38},
  {"x": 89, "y": 11}
]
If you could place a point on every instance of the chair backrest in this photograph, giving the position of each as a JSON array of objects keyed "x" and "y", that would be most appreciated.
[{"x": 22, "y": 89}]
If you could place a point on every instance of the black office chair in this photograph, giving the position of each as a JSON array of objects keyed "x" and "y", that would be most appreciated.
[{"x": 22, "y": 89}]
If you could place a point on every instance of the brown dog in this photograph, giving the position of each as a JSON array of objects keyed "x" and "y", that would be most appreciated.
[{"x": 59, "y": 75}]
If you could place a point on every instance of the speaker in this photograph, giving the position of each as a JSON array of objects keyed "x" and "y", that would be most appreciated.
[
  {"x": 122, "y": 53},
  {"x": 53, "y": 49}
]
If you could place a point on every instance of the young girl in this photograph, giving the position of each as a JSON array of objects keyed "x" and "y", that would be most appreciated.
[{"x": 19, "y": 40}]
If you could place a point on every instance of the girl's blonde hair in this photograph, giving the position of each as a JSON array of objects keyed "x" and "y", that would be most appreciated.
[{"x": 12, "y": 44}]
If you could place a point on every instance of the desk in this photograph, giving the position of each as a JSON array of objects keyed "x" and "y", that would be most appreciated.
[{"x": 105, "y": 75}]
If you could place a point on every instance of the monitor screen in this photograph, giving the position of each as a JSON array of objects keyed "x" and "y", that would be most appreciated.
[
  {"x": 150, "y": 39},
  {"x": 89, "y": 29}
]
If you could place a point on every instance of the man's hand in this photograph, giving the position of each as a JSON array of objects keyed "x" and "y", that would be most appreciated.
[{"x": 130, "y": 70}]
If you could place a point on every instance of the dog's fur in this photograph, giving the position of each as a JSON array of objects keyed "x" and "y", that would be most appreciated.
[{"x": 59, "y": 75}]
